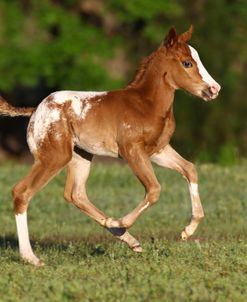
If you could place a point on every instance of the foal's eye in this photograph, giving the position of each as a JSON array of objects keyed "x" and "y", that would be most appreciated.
[{"x": 187, "y": 64}]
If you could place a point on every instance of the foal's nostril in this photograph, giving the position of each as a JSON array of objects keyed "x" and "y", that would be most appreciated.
[{"x": 215, "y": 88}]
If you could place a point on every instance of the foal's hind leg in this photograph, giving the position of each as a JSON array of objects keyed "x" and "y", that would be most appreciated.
[
  {"x": 75, "y": 192},
  {"x": 41, "y": 172},
  {"x": 169, "y": 158}
]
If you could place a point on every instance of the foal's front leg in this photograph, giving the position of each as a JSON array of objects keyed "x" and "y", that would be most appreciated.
[
  {"x": 140, "y": 163},
  {"x": 169, "y": 158}
]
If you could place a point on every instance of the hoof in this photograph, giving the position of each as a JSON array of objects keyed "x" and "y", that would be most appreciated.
[
  {"x": 40, "y": 263},
  {"x": 131, "y": 241},
  {"x": 34, "y": 261},
  {"x": 184, "y": 235},
  {"x": 123, "y": 235},
  {"x": 137, "y": 249}
]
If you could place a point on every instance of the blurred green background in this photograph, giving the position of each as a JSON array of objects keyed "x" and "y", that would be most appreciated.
[{"x": 97, "y": 45}]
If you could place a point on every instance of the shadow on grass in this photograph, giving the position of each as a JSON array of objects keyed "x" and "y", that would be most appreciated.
[
  {"x": 64, "y": 243},
  {"x": 8, "y": 242},
  {"x": 93, "y": 246},
  {"x": 98, "y": 244}
]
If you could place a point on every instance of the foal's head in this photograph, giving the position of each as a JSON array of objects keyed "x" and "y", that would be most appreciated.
[{"x": 185, "y": 69}]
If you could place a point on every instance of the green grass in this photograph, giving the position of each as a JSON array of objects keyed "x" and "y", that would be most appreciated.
[{"x": 85, "y": 263}]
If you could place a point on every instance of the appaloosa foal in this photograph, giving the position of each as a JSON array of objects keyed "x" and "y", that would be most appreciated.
[{"x": 135, "y": 123}]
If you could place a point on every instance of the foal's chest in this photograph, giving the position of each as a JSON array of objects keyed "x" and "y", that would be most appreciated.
[{"x": 158, "y": 133}]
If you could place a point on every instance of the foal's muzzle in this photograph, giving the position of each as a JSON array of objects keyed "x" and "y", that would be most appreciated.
[{"x": 211, "y": 92}]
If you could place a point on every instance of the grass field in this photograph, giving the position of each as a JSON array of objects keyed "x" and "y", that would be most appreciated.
[{"x": 85, "y": 263}]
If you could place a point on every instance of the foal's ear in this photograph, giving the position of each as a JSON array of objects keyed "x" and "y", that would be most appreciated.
[
  {"x": 170, "y": 38},
  {"x": 186, "y": 36}
]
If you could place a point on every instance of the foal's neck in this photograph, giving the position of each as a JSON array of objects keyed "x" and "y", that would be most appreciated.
[{"x": 154, "y": 87}]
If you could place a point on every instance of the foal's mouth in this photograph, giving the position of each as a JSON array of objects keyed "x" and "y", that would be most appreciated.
[{"x": 207, "y": 94}]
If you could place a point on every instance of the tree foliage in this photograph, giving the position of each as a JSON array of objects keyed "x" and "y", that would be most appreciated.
[
  {"x": 96, "y": 45},
  {"x": 43, "y": 40}
]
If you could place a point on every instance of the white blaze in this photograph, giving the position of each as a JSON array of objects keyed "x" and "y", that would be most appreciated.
[{"x": 203, "y": 72}]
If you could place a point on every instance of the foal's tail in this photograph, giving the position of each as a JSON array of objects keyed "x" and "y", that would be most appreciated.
[{"x": 9, "y": 110}]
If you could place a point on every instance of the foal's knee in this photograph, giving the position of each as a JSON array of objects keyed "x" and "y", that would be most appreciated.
[
  {"x": 190, "y": 172},
  {"x": 153, "y": 194},
  {"x": 19, "y": 199}
]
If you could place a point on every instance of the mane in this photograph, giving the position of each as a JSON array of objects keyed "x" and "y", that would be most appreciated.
[{"x": 141, "y": 70}]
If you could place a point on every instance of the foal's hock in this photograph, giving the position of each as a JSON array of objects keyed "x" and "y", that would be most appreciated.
[{"x": 135, "y": 123}]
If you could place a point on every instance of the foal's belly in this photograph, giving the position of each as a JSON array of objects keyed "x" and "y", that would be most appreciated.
[{"x": 97, "y": 146}]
